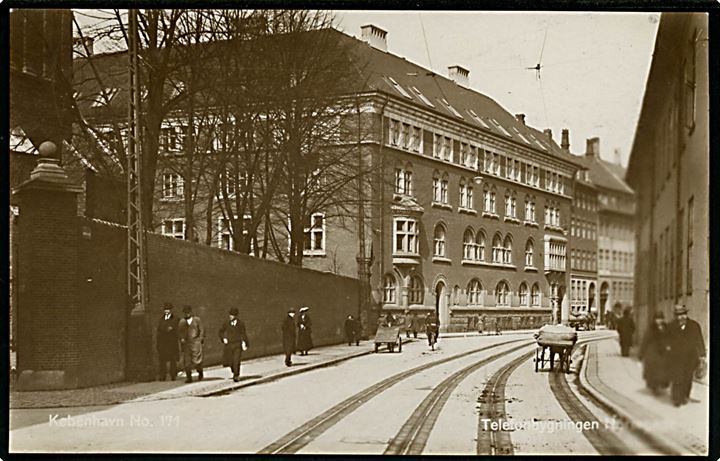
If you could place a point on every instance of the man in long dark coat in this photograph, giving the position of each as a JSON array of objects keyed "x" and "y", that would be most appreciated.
[
  {"x": 687, "y": 350},
  {"x": 352, "y": 330},
  {"x": 167, "y": 342},
  {"x": 234, "y": 338},
  {"x": 192, "y": 337},
  {"x": 626, "y": 329},
  {"x": 289, "y": 336}
]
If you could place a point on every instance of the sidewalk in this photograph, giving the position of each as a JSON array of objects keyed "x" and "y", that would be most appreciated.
[
  {"x": 617, "y": 383},
  {"x": 217, "y": 380}
]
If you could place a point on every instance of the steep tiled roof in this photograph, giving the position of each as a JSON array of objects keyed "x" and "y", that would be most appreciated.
[
  {"x": 604, "y": 174},
  {"x": 382, "y": 72}
]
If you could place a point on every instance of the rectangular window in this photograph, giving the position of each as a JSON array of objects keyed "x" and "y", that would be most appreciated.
[
  {"x": 406, "y": 236},
  {"x": 415, "y": 139},
  {"x": 174, "y": 228},
  {"x": 172, "y": 186},
  {"x": 405, "y": 141},
  {"x": 314, "y": 235},
  {"x": 394, "y": 136}
]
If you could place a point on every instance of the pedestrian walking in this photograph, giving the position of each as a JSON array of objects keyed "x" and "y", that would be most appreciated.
[
  {"x": 432, "y": 328},
  {"x": 498, "y": 326},
  {"x": 352, "y": 330},
  {"x": 686, "y": 355},
  {"x": 411, "y": 324},
  {"x": 653, "y": 353},
  {"x": 481, "y": 323},
  {"x": 304, "y": 340},
  {"x": 289, "y": 336},
  {"x": 234, "y": 338},
  {"x": 626, "y": 329},
  {"x": 167, "y": 342},
  {"x": 192, "y": 338}
]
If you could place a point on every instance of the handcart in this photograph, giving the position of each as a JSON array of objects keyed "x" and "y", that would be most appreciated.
[
  {"x": 554, "y": 340},
  {"x": 390, "y": 336}
]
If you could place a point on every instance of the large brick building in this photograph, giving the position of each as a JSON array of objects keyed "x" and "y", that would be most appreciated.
[
  {"x": 669, "y": 170},
  {"x": 471, "y": 212}
]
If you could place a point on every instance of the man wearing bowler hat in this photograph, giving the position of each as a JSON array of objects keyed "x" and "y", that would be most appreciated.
[
  {"x": 289, "y": 336},
  {"x": 235, "y": 341},
  {"x": 167, "y": 342},
  {"x": 687, "y": 352}
]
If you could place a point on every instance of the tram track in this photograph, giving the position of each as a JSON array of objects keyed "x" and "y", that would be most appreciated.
[
  {"x": 413, "y": 435},
  {"x": 499, "y": 442},
  {"x": 601, "y": 438},
  {"x": 300, "y": 437}
]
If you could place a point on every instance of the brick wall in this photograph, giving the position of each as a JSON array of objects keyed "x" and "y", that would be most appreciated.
[
  {"x": 102, "y": 318},
  {"x": 213, "y": 280}
]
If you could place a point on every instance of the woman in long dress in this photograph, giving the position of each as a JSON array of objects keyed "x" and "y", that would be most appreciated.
[
  {"x": 653, "y": 352},
  {"x": 304, "y": 339}
]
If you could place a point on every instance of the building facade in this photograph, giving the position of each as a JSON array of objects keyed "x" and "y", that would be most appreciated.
[
  {"x": 467, "y": 210},
  {"x": 669, "y": 169}
]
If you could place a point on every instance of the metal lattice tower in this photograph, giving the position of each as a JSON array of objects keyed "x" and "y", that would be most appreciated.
[{"x": 135, "y": 244}]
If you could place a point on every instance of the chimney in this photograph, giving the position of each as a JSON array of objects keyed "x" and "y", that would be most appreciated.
[
  {"x": 374, "y": 36},
  {"x": 521, "y": 118},
  {"x": 459, "y": 75},
  {"x": 548, "y": 133},
  {"x": 565, "y": 142},
  {"x": 592, "y": 148}
]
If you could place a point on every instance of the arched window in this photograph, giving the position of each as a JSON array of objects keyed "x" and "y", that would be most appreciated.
[
  {"x": 523, "y": 294},
  {"x": 474, "y": 290},
  {"x": 468, "y": 245},
  {"x": 507, "y": 250},
  {"x": 439, "y": 240},
  {"x": 480, "y": 246},
  {"x": 535, "y": 295},
  {"x": 389, "y": 289},
  {"x": 415, "y": 290},
  {"x": 502, "y": 294},
  {"x": 497, "y": 249},
  {"x": 529, "y": 249}
]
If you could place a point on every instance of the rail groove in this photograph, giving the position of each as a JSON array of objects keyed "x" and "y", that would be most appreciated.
[{"x": 300, "y": 437}]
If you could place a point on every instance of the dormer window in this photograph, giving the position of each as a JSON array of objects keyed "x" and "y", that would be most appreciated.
[
  {"x": 500, "y": 127},
  {"x": 451, "y": 108},
  {"x": 103, "y": 98},
  {"x": 478, "y": 119},
  {"x": 399, "y": 88},
  {"x": 421, "y": 96}
]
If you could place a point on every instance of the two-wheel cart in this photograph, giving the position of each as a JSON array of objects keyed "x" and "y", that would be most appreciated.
[
  {"x": 390, "y": 336},
  {"x": 554, "y": 340}
]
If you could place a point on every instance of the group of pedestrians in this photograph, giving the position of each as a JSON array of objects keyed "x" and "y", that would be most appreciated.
[
  {"x": 672, "y": 353},
  {"x": 188, "y": 335},
  {"x": 296, "y": 333}
]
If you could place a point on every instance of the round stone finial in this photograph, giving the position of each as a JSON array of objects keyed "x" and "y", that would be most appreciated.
[{"x": 47, "y": 149}]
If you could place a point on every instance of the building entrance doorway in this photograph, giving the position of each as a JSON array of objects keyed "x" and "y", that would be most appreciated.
[
  {"x": 441, "y": 305},
  {"x": 603, "y": 301}
]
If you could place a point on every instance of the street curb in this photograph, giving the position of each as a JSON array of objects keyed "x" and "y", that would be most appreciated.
[
  {"x": 665, "y": 445},
  {"x": 290, "y": 372}
]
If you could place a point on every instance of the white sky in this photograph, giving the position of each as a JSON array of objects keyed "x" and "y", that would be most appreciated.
[{"x": 594, "y": 65}]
